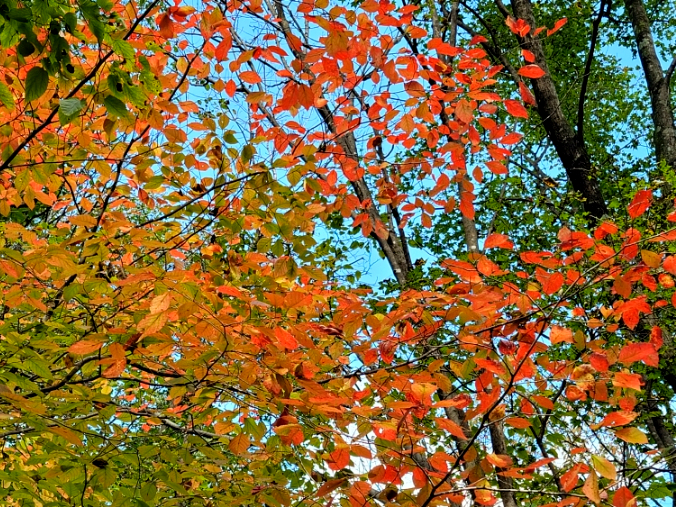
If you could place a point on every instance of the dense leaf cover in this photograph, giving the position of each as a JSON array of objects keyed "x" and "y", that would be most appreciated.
[{"x": 183, "y": 187}]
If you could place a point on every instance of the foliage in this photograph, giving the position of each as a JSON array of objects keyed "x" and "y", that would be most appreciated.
[{"x": 186, "y": 193}]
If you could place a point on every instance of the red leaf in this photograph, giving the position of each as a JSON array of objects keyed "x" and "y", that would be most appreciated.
[
  {"x": 669, "y": 264},
  {"x": 285, "y": 339},
  {"x": 627, "y": 380},
  {"x": 496, "y": 240},
  {"x": 515, "y": 108},
  {"x": 599, "y": 361},
  {"x": 526, "y": 95},
  {"x": 230, "y": 88},
  {"x": 339, "y": 458},
  {"x": 557, "y": 26},
  {"x": 528, "y": 56},
  {"x": 531, "y": 71},
  {"x": 569, "y": 479},
  {"x": 624, "y": 498},
  {"x": 635, "y": 352},
  {"x": 616, "y": 419},
  {"x": 518, "y": 26},
  {"x": 223, "y": 48},
  {"x": 166, "y": 26},
  {"x": 640, "y": 203}
]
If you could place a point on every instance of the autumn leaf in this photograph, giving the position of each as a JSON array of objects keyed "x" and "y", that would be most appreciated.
[
  {"x": 635, "y": 352},
  {"x": 515, "y": 108},
  {"x": 499, "y": 460},
  {"x": 623, "y": 497},
  {"x": 340, "y": 458},
  {"x": 453, "y": 428},
  {"x": 84, "y": 347},
  {"x": 604, "y": 467},
  {"x": 632, "y": 435},
  {"x": 591, "y": 488},
  {"x": 329, "y": 486},
  {"x": 495, "y": 240},
  {"x": 557, "y": 26},
  {"x": 285, "y": 339},
  {"x": 616, "y": 419},
  {"x": 240, "y": 444},
  {"x": 640, "y": 203},
  {"x": 531, "y": 71}
]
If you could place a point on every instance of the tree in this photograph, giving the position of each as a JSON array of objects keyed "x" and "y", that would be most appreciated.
[{"x": 184, "y": 321}]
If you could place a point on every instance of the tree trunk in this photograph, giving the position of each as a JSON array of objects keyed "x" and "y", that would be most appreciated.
[
  {"x": 658, "y": 85},
  {"x": 570, "y": 149}
]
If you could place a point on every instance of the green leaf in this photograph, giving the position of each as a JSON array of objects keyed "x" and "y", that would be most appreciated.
[
  {"x": 37, "y": 80},
  {"x": 116, "y": 107},
  {"x": 25, "y": 48},
  {"x": 6, "y": 97},
  {"x": 23, "y": 15},
  {"x": 124, "y": 49},
  {"x": 148, "y": 491},
  {"x": 70, "y": 107}
]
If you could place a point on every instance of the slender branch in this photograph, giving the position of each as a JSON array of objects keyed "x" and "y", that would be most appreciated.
[{"x": 587, "y": 72}]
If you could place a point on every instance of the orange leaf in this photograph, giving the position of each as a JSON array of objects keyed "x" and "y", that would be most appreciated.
[
  {"x": 531, "y": 71},
  {"x": 329, "y": 486},
  {"x": 515, "y": 108},
  {"x": 518, "y": 422},
  {"x": 669, "y": 264},
  {"x": 599, "y": 361},
  {"x": 634, "y": 352},
  {"x": 85, "y": 347},
  {"x": 544, "y": 402},
  {"x": 498, "y": 241},
  {"x": 290, "y": 433},
  {"x": 557, "y": 26},
  {"x": 250, "y": 76},
  {"x": 627, "y": 380},
  {"x": 526, "y": 95},
  {"x": 499, "y": 460},
  {"x": 616, "y": 419},
  {"x": 453, "y": 428},
  {"x": 286, "y": 339},
  {"x": 591, "y": 487},
  {"x": 339, "y": 458},
  {"x": 640, "y": 203},
  {"x": 240, "y": 443},
  {"x": 560, "y": 334}
]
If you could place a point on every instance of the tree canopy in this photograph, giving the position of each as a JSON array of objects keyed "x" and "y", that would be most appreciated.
[{"x": 369, "y": 253}]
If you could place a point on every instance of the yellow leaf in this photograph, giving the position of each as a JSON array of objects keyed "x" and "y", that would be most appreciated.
[
  {"x": 83, "y": 220},
  {"x": 66, "y": 433},
  {"x": 651, "y": 259},
  {"x": 632, "y": 435},
  {"x": 604, "y": 467}
]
